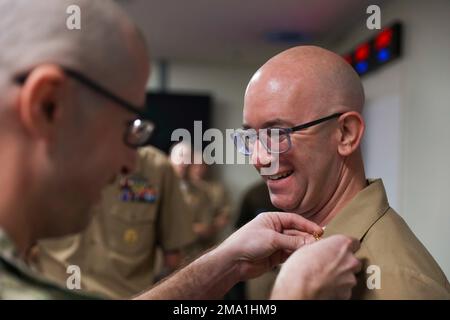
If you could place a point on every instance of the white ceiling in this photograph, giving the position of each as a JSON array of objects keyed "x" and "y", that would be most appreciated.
[{"x": 234, "y": 31}]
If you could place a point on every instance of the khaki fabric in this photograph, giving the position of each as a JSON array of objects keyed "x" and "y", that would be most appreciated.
[
  {"x": 19, "y": 282},
  {"x": 198, "y": 201},
  {"x": 219, "y": 207},
  {"x": 407, "y": 270},
  {"x": 137, "y": 214},
  {"x": 201, "y": 207},
  {"x": 219, "y": 200}
]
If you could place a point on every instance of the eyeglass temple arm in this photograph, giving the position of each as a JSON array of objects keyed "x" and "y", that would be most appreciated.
[
  {"x": 105, "y": 92},
  {"x": 94, "y": 86},
  {"x": 315, "y": 122}
]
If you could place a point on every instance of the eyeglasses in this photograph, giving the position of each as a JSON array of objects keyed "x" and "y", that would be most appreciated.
[
  {"x": 138, "y": 131},
  {"x": 274, "y": 140}
]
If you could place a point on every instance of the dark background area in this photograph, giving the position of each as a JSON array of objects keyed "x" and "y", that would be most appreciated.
[{"x": 170, "y": 111}]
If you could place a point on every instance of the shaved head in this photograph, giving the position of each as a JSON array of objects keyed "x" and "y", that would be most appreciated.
[
  {"x": 314, "y": 72},
  {"x": 107, "y": 46},
  {"x": 297, "y": 86},
  {"x": 64, "y": 140}
]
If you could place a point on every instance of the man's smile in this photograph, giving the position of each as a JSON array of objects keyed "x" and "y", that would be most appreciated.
[{"x": 280, "y": 175}]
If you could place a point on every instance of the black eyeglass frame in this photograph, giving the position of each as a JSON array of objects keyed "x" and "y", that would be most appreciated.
[
  {"x": 288, "y": 131},
  {"x": 21, "y": 78}
]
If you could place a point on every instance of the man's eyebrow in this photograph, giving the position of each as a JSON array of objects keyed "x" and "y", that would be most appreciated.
[{"x": 278, "y": 122}]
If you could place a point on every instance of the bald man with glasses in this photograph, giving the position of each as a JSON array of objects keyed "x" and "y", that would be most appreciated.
[
  {"x": 303, "y": 129},
  {"x": 138, "y": 130}
]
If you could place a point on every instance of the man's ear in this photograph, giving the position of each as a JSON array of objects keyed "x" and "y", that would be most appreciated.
[
  {"x": 351, "y": 127},
  {"x": 40, "y": 99}
]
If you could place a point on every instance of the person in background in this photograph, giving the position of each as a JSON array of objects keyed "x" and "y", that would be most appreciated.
[
  {"x": 196, "y": 197},
  {"x": 218, "y": 197}
]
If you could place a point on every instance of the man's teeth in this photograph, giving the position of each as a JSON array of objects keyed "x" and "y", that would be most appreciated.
[{"x": 280, "y": 175}]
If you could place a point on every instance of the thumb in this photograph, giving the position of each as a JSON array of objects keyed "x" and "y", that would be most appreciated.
[{"x": 349, "y": 243}]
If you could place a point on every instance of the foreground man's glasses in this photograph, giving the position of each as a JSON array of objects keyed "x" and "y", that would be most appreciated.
[
  {"x": 138, "y": 131},
  {"x": 274, "y": 140}
]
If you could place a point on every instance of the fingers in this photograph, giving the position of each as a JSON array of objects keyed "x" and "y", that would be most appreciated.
[
  {"x": 344, "y": 291},
  {"x": 350, "y": 266},
  {"x": 292, "y": 232},
  {"x": 286, "y": 242},
  {"x": 296, "y": 233},
  {"x": 292, "y": 240},
  {"x": 295, "y": 222},
  {"x": 355, "y": 265},
  {"x": 345, "y": 242},
  {"x": 307, "y": 238},
  {"x": 331, "y": 276}
]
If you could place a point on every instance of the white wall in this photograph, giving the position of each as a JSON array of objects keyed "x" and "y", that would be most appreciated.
[
  {"x": 421, "y": 83},
  {"x": 227, "y": 85},
  {"x": 382, "y": 114}
]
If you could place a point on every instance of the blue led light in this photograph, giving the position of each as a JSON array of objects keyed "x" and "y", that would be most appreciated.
[
  {"x": 361, "y": 67},
  {"x": 384, "y": 55}
]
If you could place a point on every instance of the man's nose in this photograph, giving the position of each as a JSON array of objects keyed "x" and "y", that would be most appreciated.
[
  {"x": 130, "y": 161},
  {"x": 260, "y": 157}
]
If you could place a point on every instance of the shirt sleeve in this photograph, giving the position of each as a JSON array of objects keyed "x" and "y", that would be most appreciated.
[{"x": 400, "y": 283}]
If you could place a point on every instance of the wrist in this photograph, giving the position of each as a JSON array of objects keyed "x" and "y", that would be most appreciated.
[
  {"x": 229, "y": 260},
  {"x": 288, "y": 288}
]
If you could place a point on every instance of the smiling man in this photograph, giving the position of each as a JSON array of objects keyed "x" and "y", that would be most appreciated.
[{"x": 304, "y": 106}]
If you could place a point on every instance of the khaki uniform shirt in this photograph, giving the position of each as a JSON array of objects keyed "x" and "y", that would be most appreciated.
[
  {"x": 217, "y": 196},
  {"x": 201, "y": 207},
  {"x": 219, "y": 206},
  {"x": 198, "y": 201},
  {"x": 19, "y": 282},
  {"x": 406, "y": 268},
  {"x": 116, "y": 253}
]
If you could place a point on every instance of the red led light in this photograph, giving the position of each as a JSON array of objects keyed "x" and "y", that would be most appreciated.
[
  {"x": 383, "y": 39},
  {"x": 362, "y": 52}
]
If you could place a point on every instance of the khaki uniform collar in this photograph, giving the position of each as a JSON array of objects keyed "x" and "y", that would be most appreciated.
[{"x": 356, "y": 218}]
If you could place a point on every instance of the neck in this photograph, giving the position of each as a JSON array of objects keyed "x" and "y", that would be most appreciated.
[
  {"x": 14, "y": 205},
  {"x": 18, "y": 230},
  {"x": 352, "y": 180}
]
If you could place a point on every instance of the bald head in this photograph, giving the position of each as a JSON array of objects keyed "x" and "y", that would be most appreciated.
[
  {"x": 108, "y": 46},
  {"x": 318, "y": 75}
]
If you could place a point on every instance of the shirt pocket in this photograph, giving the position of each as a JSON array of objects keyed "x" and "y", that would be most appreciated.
[{"x": 130, "y": 228}]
